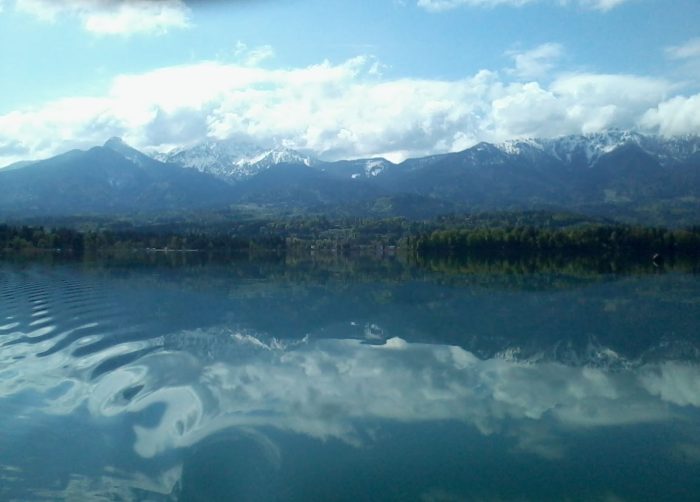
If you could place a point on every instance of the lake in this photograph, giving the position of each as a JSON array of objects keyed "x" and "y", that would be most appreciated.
[{"x": 347, "y": 380}]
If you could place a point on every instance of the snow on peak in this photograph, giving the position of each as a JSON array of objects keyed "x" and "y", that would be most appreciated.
[
  {"x": 233, "y": 160},
  {"x": 374, "y": 167},
  {"x": 589, "y": 148},
  {"x": 285, "y": 156},
  {"x": 519, "y": 146},
  {"x": 268, "y": 158}
]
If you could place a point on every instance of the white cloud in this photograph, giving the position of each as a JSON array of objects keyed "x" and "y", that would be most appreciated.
[
  {"x": 595, "y": 102},
  {"x": 341, "y": 110},
  {"x": 575, "y": 103},
  {"x": 252, "y": 56},
  {"x": 113, "y": 17},
  {"x": 537, "y": 62},
  {"x": 688, "y": 50},
  {"x": 443, "y": 5},
  {"x": 676, "y": 116},
  {"x": 62, "y": 124}
]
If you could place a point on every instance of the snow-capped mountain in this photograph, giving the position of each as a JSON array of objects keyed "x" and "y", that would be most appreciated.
[
  {"x": 617, "y": 174},
  {"x": 232, "y": 160},
  {"x": 236, "y": 161},
  {"x": 280, "y": 155},
  {"x": 589, "y": 148}
]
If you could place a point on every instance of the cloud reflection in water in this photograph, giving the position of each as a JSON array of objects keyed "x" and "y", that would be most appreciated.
[
  {"x": 329, "y": 388},
  {"x": 112, "y": 400}
]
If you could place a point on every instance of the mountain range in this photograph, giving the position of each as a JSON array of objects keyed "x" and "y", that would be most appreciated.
[{"x": 619, "y": 174}]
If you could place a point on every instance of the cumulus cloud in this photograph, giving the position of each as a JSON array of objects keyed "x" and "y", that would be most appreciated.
[
  {"x": 113, "y": 17},
  {"x": 537, "y": 62},
  {"x": 677, "y": 116},
  {"x": 443, "y": 5},
  {"x": 58, "y": 125},
  {"x": 342, "y": 110}
]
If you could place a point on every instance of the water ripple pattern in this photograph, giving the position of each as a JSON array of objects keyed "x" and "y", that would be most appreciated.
[
  {"x": 200, "y": 384},
  {"x": 54, "y": 321}
]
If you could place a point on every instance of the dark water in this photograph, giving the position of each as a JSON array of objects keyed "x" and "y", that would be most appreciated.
[{"x": 351, "y": 382}]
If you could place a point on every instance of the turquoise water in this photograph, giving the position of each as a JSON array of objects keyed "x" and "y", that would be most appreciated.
[{"x": 354, "y": 381}]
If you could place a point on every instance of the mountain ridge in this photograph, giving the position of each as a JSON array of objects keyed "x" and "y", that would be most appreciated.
[{"x": 620, "y": 174}]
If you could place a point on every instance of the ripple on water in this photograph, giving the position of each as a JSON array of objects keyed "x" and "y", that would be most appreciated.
[
  {"x": 41, "y": 332},
  {"x": 43, "y": 320},
  {"x": 60, "y": 323}
]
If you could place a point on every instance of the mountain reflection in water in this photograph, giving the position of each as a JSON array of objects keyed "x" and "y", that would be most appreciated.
[{"x": 250, "y": 383}]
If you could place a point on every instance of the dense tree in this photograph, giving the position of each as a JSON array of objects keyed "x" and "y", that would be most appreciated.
[{"x": 498, "y": 234}]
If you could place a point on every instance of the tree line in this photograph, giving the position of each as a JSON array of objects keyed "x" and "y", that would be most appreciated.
[
  {"x": 495, "y": 235},
  {"x": 586, "y": 240},
  {"x": 78, "y": 242}
]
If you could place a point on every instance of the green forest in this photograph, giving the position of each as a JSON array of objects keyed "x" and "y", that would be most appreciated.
[{"x": 508, "y": 235}]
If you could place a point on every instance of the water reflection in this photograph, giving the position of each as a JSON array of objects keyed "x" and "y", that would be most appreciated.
[{"x": 200, "y": 385}]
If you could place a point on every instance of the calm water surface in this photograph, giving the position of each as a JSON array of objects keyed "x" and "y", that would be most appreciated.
[{"x": 271, "y": 382}]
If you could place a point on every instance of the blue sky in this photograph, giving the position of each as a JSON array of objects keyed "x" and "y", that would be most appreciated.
[{"x": 396, "y": 78}]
